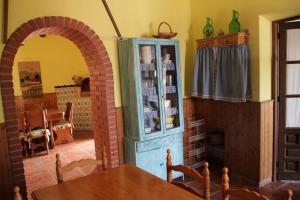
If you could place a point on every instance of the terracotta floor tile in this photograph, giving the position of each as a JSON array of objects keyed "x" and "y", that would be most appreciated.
[{"x": 40, "y": 171}]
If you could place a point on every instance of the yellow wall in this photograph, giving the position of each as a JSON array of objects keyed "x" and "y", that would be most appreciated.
[
  {"x": 59, "y": 59},
  {"x": 135, "y": 18},
  {"x": 256, "y": 16},
  {"x": 1, "y": 20}
]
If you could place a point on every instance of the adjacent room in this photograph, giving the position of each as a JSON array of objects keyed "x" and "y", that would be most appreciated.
[
  {"x": 173, "y": 99},
  {"x": 53, "y": 102}
]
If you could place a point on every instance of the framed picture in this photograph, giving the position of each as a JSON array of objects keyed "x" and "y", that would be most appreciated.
[{"x": 30, "y": 79}]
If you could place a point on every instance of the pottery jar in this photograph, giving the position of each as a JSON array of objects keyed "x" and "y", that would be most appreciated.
[{"x": 146, "y": 54}]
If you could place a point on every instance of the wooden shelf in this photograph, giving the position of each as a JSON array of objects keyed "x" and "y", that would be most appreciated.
[
  {"x": 195, "y": 142},
  {"x": 229, "y": 39}
]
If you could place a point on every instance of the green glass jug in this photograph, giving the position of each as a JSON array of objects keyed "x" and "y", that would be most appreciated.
[
  {"x": 208, "y": 29},
  {"x": 234, "y": 25}
]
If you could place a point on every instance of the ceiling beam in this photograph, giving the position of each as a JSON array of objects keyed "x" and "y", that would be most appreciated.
[
  {"x": 5, "y": 21},
  {"x": 111, "y": 18}
]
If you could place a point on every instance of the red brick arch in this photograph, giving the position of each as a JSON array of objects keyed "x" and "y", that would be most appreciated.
[{"x": 101, "y": 83}]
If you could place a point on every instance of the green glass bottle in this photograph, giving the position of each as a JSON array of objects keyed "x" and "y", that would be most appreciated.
[
  {"x": 234, "y": 25},
  {"x": 208, "y": 29}
]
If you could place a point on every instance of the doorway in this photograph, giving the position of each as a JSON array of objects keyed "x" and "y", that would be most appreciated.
[
  {"x": 57, "y": 61},
  {"x": 286, "y": 88},
  {"x": 101, "y": 85}
]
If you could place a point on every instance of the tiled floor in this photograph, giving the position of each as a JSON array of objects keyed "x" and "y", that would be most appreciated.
[{"x": 40, "y": 170}]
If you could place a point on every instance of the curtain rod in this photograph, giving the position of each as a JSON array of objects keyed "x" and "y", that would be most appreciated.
[{"x": 5, "y": 21}]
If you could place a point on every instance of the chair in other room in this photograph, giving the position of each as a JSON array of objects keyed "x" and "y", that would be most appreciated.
[
  {"x": 17, "y": 195},
  {"x": 38, "y": 134},
  {"x": 204, "y": 178},
  {"x": 243, "y": 193},
  {"x": 22, "y": 128},
  {"x": 80, "y": 163},
  {"x": 64, "y": 129}
]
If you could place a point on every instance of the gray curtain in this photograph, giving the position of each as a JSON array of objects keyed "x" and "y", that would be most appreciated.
[
  {"x": 223, "y": 77},
  {"x": 203, "y": 73},
  {"x": 233, "y": 73}
]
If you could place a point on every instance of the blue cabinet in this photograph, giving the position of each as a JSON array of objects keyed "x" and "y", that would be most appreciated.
[{"x": 152, "y": 102}]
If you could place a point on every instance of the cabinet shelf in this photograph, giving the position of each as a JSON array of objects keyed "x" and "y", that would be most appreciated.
[
  {"x": 170, "y": 89},
  {"x": 151, "y": 91},
  {"x": 196, "y": 152},
  {"x": 171, "y": 111},
  {"x": 147, "y": 67},
  {"x": 169, "y": 66},
  {"x": 195, "y": 142},
  {"x": 151, "y": 114}
]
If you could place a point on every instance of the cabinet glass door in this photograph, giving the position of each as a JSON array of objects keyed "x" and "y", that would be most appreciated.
[
  {"x": 149, "y": 86},
  {"x": 170, "y": 86}
]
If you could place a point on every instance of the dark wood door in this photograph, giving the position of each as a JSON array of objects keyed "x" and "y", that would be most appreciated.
[{"x": 289, "y": 101}]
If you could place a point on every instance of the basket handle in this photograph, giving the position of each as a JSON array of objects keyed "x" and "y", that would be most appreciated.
[{"x": 158, "y": 31}]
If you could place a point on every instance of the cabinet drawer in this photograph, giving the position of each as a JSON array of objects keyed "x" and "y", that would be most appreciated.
[
  {"x": 226, "y": 41},
  {"x": 204, "y": 43},
  {"x": 234, "y": 38},
  {"x": 158, "y": 142},
  {"x": 147, "y": 146}
]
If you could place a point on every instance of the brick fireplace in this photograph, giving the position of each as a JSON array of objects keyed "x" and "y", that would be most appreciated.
[{"x": 248, "y": 132}]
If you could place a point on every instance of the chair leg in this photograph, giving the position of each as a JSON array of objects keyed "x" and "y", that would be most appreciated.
[
  {"x": 24, "y": 149},
  {"x": 46, "y": 142},
  {"x": 70, "y": 136},
  {"x": 30, "y": 150}
]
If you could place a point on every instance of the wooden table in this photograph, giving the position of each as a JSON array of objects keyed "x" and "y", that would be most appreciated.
[
  {"x": 53, "y": 116},
  {"x": 126, "y": 182}
]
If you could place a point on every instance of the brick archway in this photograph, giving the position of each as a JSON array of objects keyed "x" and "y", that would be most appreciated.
[{"x": 101, "y": 85}]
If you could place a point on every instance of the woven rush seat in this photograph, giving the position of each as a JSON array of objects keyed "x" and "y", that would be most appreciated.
[
  {"x": 62, "y": 125},
  {"x": 38, "y": 133}
]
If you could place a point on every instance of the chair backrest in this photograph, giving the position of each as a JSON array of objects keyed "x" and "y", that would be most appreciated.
[
  {"x": 204, "y": 178},
  {"x": 36, "y": 118},
  {"x": 80, "y": 163},
  {"x": 69, "y": 112},
  {"x": 243, "y": 192},
  {"x": 21, "y": 121},
  {"x": 17, "y": 195}
]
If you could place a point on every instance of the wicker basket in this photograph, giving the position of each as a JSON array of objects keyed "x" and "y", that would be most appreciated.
[{"x": 161, "y": 35}]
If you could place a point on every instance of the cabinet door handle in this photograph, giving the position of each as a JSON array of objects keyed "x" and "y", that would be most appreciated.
[{"x": 161, "y": 164}]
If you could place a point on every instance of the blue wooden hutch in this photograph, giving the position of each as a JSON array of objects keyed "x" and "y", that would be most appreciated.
[{"x": 152, "y": 103}]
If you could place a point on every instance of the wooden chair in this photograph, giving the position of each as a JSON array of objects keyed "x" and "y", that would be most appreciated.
[
  {"x": 80, "y": 163},
  {"x": 22, "y": 128},
  {"x": 17, "y": 195},
  {"x": 205, "y": 178},
  {"x": 243, "y": 192},
  {"x": 38, "y": 134},
  {"x": 64, "y": 129}
]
